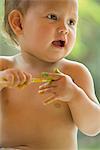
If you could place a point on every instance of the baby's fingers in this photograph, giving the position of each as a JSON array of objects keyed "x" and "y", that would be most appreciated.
[
  {"x": 47, "y": 86},
  {"x": 3, "y": 83},
  {"x": 15, "y": 78},
  {"x": 26, "y": 79},
  {"x": 51, "y": 76},
  {"x": 50, "y": 100},
  {"x": 7, "y": 80}
]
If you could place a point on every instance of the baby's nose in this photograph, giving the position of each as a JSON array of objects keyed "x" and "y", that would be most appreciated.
[{"x": 63, "y": 30}]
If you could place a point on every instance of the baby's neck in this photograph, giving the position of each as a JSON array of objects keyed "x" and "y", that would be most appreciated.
[{"x": 33, "y": 61}]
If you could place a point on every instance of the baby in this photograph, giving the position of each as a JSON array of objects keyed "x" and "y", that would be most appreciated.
[{"x": 43, "y": 111}]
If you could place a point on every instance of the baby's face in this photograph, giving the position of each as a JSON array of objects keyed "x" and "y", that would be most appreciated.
[{"x": 49, "y": 29}]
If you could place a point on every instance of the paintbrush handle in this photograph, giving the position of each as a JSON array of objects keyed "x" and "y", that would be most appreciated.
[
  {"x": 40, "y": 80},
  {"x": 35, "y": 80}
]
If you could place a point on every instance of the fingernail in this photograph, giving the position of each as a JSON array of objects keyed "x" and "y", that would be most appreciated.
[
  {"x": 45, "y": 103},
  {"x": 40, "y": 87},
  {"x": 40, "y": 91},
  {"x": 56, "y": 70}
]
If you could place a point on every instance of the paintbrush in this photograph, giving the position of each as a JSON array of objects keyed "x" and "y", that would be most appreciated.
[{"x": 44, "y": 78}]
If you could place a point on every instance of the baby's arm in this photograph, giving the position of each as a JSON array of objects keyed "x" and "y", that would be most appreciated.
[
  {"x": 84, "y": 107},
  {"x": 78, "y": 92},
  {"x": 12, "y": 77}
]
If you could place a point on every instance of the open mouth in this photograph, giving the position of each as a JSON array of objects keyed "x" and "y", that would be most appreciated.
[{"x": 59, "y": 43}]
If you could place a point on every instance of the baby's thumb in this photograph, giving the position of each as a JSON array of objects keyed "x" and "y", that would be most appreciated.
[{"x": 56, "y": 70}]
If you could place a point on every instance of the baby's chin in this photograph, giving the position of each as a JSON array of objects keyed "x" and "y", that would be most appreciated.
[{"x": 53, "y": 59}]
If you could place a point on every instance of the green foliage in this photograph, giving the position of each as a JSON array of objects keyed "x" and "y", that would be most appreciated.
[
  {"x": 6, "y": 46},
  {"x": 88, "y": 32},
  {"x": 88, "y": 39},
  {"x": 1, "y": 11}
]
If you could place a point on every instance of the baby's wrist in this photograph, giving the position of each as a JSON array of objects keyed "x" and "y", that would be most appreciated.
[{"x": 76, "y": 93}]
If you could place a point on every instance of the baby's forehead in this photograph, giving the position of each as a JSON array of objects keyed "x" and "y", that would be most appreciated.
[
  {"x": 57, "y": 5},
  {"x": 53, "y": 1}
]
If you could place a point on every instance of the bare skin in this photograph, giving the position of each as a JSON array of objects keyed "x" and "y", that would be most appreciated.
[
  {"x": 29, "y": 123},
  {"x": 45, "y": 116}
]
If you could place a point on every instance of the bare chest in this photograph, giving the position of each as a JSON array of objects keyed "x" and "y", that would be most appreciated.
[{"x": 26, "y": 120}]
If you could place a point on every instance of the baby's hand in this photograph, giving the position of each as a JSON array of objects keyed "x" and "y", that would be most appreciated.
[
  {"x": 14, "y": 78},
  {"x": 61, "y": 87}
]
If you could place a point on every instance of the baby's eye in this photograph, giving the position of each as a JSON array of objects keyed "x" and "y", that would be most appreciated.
[
  {"x": 71, "y": 22},
  {"x": 52, "y": 16}
]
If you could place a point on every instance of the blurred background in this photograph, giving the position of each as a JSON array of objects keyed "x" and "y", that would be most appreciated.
[{"x": 86, "y": 51}]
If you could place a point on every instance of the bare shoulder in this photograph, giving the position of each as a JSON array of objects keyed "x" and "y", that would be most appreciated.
[
  {"x": 6, "y": 62},
  {"x": 75, "y": 67},
  {"x": 78, "y": 71},
  {"x": 81, "y": 76}
]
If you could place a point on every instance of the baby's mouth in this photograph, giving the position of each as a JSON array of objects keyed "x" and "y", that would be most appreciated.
[{"x": 59, "y": 43}]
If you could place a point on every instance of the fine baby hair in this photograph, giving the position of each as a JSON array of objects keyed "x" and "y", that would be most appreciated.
[{"x": 10, "y": 5}]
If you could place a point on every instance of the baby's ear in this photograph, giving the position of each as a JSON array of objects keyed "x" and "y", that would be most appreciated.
[{"x": 15, "y": 19}]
